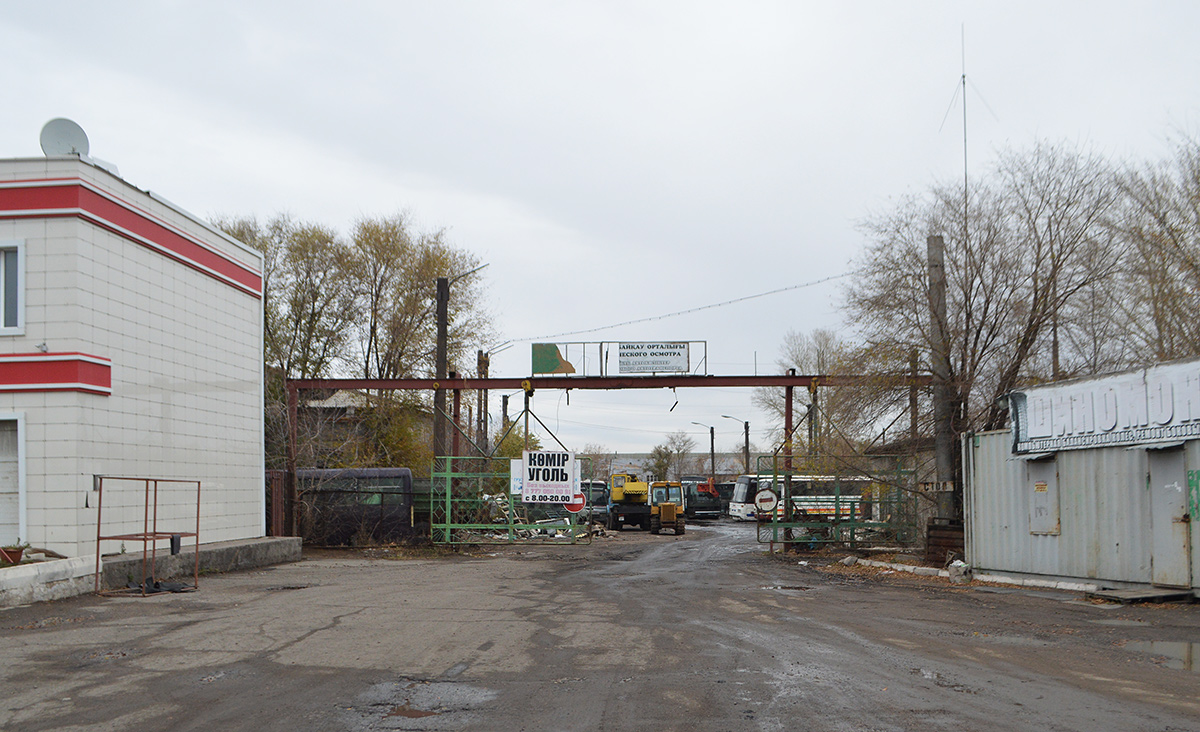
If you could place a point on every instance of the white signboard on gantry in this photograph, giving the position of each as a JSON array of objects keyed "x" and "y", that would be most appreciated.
[
  {"x": 548, "y": 476},
  {"x": 653, "y": 358}
]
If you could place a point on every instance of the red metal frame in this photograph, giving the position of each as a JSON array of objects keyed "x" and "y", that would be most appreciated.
[{"x": 149, "y": 536}]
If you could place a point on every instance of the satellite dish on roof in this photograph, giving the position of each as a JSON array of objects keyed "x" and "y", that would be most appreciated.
[{"x": 61, "y": 136}]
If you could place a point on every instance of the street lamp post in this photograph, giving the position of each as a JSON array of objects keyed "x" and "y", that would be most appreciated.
[
  {"x": 712, "y": 452},
  {"x": 443, "y": 326},
  {"x": 746, "y": 450}
]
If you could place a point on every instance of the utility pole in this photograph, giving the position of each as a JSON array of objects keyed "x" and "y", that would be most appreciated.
[
  {"x": 712, "y": 452},
  {"x": 443, "y": 328},
  {"x": 482, "y": 362},
  {"x": 943, "y": 396}
]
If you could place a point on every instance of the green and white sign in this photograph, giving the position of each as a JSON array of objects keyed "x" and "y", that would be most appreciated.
[{"x": 653, "y": 358}]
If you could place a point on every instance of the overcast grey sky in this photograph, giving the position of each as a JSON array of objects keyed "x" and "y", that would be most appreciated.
[{"x": 610, "y": 161}]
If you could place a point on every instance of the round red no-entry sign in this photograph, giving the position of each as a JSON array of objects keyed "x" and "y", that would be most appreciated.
[
  {"x": 576, "y": 504},
  {"x": 765, "y": 500}
]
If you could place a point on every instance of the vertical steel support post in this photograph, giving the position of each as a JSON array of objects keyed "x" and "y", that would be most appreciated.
[
  {"x": 293, "y": 408},
  {"x": 789, "y": 393},
  {"x": 98, "y": 482},
  {"x": 457, "y": 417},
  {"x": 439, "y": 394}
]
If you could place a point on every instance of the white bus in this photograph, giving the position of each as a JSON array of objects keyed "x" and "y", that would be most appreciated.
[{"x": 741, "y": 505}]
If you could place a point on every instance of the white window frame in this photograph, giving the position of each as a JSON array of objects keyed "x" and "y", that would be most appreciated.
[{"x": 19, "y": 328}]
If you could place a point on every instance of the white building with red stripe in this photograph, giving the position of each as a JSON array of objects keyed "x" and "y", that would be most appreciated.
[{"x": 130, "y": 345}]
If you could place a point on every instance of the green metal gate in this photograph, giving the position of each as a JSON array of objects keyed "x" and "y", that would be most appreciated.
[
  {"x": 850, "y": 508},
  {"x": 471, "y": 503}
]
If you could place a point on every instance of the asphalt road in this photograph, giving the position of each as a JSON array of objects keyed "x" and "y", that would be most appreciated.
[{"x": 638, "y": 632}]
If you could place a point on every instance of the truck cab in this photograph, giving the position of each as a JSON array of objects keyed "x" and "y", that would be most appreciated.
[{"x": 701, "y": 500}]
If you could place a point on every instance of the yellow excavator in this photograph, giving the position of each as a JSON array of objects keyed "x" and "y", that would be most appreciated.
[{"x": 652, "y": 506}]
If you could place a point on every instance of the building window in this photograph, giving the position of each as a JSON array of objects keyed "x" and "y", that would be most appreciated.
[{"x": 12, "y": 289}]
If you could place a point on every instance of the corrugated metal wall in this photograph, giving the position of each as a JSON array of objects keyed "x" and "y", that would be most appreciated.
[{"x": 1104, "y": 510}]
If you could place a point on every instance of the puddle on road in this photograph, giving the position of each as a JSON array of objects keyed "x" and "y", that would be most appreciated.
[
  {"x": 1181, "y": 655},
  {"x": 786, "y": 587},
  {"x": 404, "y": 710},
  {"x": 1121, "y": 623}
]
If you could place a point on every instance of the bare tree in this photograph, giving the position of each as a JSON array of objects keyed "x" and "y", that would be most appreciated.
[
  {"x": 1037, "y": 245},
  {"x": 395, "y": 272},
  {"x": 1161, "y": 222},
  {"x": 659, "y": 464},
  {"x": 601, "y": 459},
  {"x": 367, "y": 307},
  {"x": 843, "y": 416},
  {"x": 309, "y": 304},
  {"x": 1059, "y": 200},
  {"x": 671, "y": 459}
]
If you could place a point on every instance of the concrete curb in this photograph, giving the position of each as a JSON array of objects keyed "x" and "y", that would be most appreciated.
[
  {"x": 924, "y": 571},
  {"x": 62, "y": 578},
  {"x": 1044, "y": 584},
  {"x": 52, "y": 580},
  {"x": 226, "y": 556},
  {"x": 993, "y": 578}
]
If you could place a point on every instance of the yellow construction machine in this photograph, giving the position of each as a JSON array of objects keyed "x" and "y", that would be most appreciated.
[
  {"x": 666, "y": 507},
  {"x": 629, "y": 502},
  {"x": 655, "y": 506}
]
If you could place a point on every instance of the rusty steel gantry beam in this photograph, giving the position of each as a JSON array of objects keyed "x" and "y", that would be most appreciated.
[{"x": 531, "y": 383}]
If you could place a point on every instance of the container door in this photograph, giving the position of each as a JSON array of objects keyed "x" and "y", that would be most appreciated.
[{"x": 1169, "y": 519}]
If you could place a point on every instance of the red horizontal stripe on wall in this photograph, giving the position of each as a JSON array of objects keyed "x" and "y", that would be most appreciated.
[
  {"x": 38, "y": 198},
  {"x": 72, "y": 198},
  {"x": 55, "y": 372}
]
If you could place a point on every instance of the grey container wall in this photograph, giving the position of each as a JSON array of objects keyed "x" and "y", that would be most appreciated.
[{"x": 1103, "y": 509}]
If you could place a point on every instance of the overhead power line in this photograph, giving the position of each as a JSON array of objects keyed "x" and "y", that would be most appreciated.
[{"x": 681, "y": 312}]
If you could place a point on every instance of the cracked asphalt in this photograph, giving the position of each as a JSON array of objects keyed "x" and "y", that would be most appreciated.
[{"x": 698, "y": 632}]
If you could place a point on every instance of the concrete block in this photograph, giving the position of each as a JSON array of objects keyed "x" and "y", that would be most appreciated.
[
  {"x": 61, "y": 578},
  {"x": 53, "y": 580},
  {"x": 225, "y": 556}
]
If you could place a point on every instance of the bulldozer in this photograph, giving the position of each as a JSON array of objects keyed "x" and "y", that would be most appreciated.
[{"x": 667, "y": 507}]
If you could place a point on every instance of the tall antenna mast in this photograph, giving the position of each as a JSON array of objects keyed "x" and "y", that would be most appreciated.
[{"x": 966, "y": 196}]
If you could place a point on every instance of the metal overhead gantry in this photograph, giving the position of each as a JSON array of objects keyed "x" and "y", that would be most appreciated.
[{"x": 530, "y": 383}]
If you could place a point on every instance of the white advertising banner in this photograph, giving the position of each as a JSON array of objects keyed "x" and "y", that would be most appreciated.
[
  {"x": 548, "y": 476},
  {"x": 650, "y": 358},
  {"x": 516, "y": 468},
  {"x": 1156, "y": 404}
]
